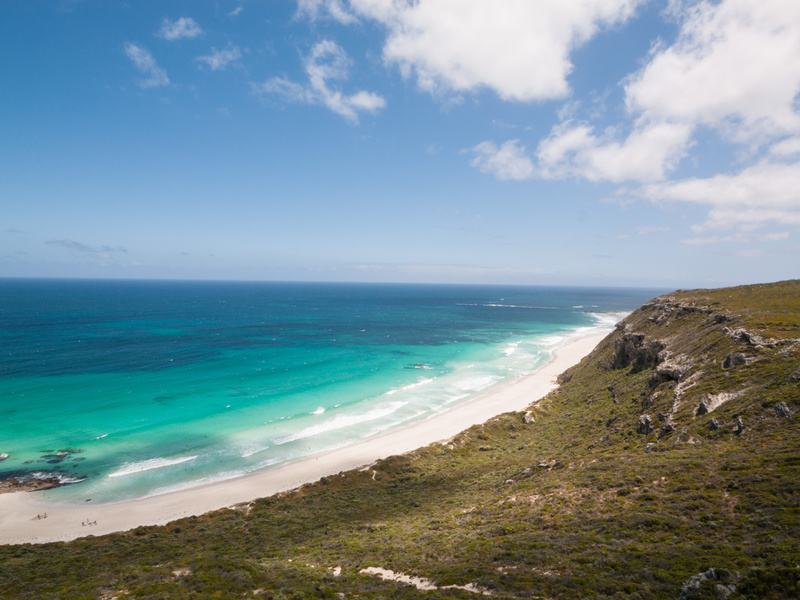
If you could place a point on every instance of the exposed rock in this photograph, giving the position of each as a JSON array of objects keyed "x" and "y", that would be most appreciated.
[
  {"x": 28, "y": 484},
  {"x": 666, "y": 430},
  {"x": 527, "y": 418},
  {"x": 734, "y": 359},
  {"x": 782, "y": 410},
  {"x": 645, "y": 425},
  {"x": 714, "y": 424},
  {"x": 725, "y": 583},
  {"x": 739, "y": 426},
  {"x": 712, "y": 402},
  {"x": 667, "y": 308},
  {"x": 741, "y": 335},
  {"x": 631, "y": 348},
  {"x": 670, "y": 368},
  {"x": 722, "y": 318}
]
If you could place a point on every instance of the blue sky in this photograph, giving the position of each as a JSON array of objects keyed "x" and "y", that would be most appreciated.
[{"x": 581, "y": 142}]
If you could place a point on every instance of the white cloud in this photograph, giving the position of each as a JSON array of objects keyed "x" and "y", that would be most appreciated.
[
  {"x": 735, "y": 66},
  {"x": 517, "y": 48},
  {"x": 788, "y": 147},
  {"x": 144, "y": 61},
  {"x": 314, "y": 9},
  {"x": 219, "y": 60},
  {"x": 183, "y": 28},
  {"x": 236, "y": 11},
  {"x": 327, "y": 62},
  {"x": 647, "y": 154},
  {"x": 507, "y": 162},
  {"x": 766, "y": 194}
]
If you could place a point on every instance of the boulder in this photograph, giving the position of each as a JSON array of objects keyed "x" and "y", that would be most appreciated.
[
  {"x": 782, "y": 410},
  {"x": 734, "y": 359},
  {"x": 645, "y": 425}
]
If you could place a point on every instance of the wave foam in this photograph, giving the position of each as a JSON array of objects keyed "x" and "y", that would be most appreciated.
[
  {"x": 340, "y": 422},
  {"x": 148, "y": 465}
]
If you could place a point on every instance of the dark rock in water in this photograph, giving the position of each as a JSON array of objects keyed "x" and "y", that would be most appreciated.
[
  {"x": 28, "y": 484},
  {"x": 782, "y": 410},
  {"x": 734, "y": 359}
]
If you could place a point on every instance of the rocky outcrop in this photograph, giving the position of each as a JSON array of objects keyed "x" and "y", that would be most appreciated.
[
  {"x": 645, "y": 425},
  {"x": 632, "y": 349},
  {"x": 28, "y": 484},
  {"x": 711, "y": 402},
  {"x": 734, "y": 359},
  {"x": 670, "y": 368},
  {"x": 751, "y": 339},
  {"x": 782, "y": 410},
  {"x": 723, "y": 581},
  {"x": 665, "y": 309}
]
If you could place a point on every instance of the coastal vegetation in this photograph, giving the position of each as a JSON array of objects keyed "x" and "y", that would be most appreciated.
[{"x": 664, "y": 466}]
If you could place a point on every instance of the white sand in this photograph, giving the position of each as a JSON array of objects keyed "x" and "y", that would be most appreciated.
[{"x": 18, "y": 511}]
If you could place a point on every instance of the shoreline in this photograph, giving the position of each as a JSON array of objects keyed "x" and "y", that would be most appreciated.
[{"x": 19, "y": 522}]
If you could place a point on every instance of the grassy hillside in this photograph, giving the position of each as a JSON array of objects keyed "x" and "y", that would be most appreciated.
[{"x": 672, "y": 450}]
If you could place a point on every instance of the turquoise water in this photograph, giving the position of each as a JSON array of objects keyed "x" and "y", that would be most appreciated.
[{"x": 132, "y": 388}]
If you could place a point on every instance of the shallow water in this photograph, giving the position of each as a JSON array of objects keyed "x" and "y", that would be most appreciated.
[{"x": 132, "y": 388}]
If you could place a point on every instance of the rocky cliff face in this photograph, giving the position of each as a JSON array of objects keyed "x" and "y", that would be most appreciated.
[{"x": 699, "y": 357}]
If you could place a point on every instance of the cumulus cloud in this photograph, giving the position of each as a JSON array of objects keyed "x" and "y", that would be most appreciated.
[
  {"x": 765, "y": 194},
  {"x": 517, "y": 48},
  {"x": 144, "y": 61},
  {"x": 183, "y": 28},
  {"x": 735, "y": 66},
  {"x": 572, "y": 149},
  {"x": 219, "y": 60},
  {"x": 733, "y": 69},
  {"x": 327, "y": 62},
  {"x": 509, "y": 161},
  {"x": 787, "y": 147}
]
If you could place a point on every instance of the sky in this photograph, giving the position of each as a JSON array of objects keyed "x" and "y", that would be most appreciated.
[{"x": 556, "y": 142}]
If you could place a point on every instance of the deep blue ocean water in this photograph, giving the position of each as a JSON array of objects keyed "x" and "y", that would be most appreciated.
[{"x": 131, "y": 388}]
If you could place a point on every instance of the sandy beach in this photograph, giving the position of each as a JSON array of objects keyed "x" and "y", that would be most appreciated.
[{"x": 19, "y": 522}]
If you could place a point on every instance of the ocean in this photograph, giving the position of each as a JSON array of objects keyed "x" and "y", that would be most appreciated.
[{"x": 125, "y": 389}]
